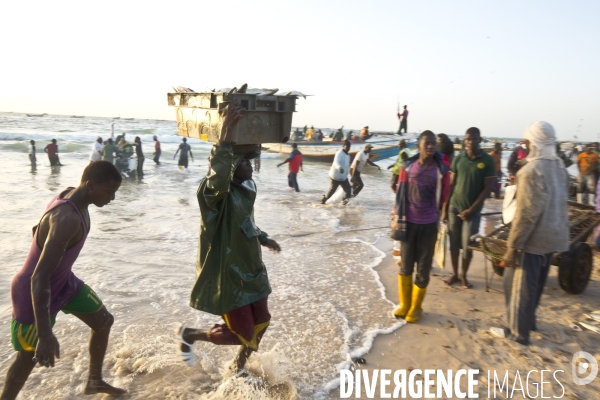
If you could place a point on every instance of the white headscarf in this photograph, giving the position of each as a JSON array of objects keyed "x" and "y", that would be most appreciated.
[{"x": 542, "y": 141}]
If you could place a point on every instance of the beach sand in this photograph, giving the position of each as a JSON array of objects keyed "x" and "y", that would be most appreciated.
[{"x": 453, "y": 332}]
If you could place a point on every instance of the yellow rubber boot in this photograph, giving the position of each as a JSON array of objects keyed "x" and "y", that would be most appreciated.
[
  {"x": 404, "y": 295},
  {"x": 414, "y": 314}
]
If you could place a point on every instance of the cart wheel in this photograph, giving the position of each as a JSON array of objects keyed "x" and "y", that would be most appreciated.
[
  {"x": 499, "y": 270},
  {"x": 575, "y": 268}
]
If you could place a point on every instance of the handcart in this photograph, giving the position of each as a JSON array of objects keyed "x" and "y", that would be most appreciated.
[{"x": 574, "y": 266}]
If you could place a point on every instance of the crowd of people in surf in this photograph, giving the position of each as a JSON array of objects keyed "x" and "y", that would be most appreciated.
[
  {"x": 432, "y": 186},
  {"x": 127, "y": 157}
]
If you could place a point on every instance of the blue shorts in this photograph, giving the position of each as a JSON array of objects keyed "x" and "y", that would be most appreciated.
[{"x": 460, "y": 231}]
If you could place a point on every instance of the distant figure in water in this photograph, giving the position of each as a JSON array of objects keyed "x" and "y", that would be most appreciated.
[
  {"x": 183, "y": 157},
  {"x": 140, "y": 157},
  {"x": 52, "y": 150},
  {"x": 46, "y": 284},
  {"x": 32, "y": 158},
  {"x": 231, "y": 278},
  {"x": 403, "y": 117},
  {"x": 96, "y": 154},
  {"x": 295, "y": 164},
  {"x": 109, "y": 151},
  {"x": 157, "y": 150},
  {"x": 338, "y": 174}
]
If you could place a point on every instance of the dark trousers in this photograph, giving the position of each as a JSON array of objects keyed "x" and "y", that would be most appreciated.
[
  {"x": 419, "y": 248},
  {"x": 333, "y": 185},
  {"x": 357, "y": 183},
  {"x": 293, "y": 181},
  {"x": 54, "y": 160},
  {"x": 403, "y": 125},
  {"x": 523, "y": 287},
  {"x": 140, "y": 167},
  {"x": 157, "y": 157}
]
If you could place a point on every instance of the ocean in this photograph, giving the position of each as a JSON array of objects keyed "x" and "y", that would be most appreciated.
[{"x": 327, "y": 303}]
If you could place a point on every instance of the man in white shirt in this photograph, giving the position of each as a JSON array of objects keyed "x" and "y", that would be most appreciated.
[
  {"x": 339, "y": 174},
  {"x": 32, "y": 157},
  {"x": 360, "y": 160},
  {"x": 96, "y": 150}
]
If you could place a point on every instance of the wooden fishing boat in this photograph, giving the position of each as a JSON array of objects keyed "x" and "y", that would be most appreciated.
[{"x": 325, "y": 151}]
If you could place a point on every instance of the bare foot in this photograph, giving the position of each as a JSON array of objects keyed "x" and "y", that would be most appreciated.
[
  {"x": 466, "y": 284},
  {"x": 451, "y": 281},
  {"x": 94, "y": 387}
]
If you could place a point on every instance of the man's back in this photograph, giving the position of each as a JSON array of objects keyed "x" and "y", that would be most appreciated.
[
  {"x": 64, "y": 284},
  {"x": 51, "y": 149},
  {"x": 542, "y": 190}
]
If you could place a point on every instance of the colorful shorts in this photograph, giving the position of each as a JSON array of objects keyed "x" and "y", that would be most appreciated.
[
  {"x": 245, "y": 325},
  {"x": 24, "y": 337}
]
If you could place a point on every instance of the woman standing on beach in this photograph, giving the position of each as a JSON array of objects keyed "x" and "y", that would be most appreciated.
[{"x": 423, "y": 188}]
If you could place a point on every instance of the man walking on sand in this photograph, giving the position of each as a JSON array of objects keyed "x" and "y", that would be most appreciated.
[
  {"x": 540, "y": 227},
  {"x": 423, "y": 189},
  {"x": 231, "y": 279},
  {"x": 360, "y": 160},
  {"x": 403, "y": 117},
  {"x": 338, "y": 174},
  {"x": 46, "y": 284},
  {"x": 471, "y": 179},
  {"x": 295, "y": 163}
]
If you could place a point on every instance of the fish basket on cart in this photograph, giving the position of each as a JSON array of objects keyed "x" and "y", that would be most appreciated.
[{"x": 574, "y": 266}]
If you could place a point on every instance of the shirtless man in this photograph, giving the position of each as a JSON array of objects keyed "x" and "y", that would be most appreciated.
[{"x": 46, "y": 285}]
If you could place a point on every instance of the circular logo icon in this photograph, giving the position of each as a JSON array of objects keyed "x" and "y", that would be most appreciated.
[
  {"x": 481, "y": 165},
  {"x": 590, "y": 366}
]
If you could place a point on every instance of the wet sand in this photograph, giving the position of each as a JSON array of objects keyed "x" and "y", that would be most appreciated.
[{"x": 453, "y": 331}]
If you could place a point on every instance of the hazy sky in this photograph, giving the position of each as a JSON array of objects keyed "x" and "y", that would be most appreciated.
[{"x": 497, "y": 65}]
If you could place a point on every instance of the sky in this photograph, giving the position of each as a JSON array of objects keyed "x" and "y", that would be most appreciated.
[{"x": 497, "y": 65}]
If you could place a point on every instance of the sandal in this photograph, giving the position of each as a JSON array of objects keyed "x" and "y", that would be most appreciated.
[{"x": 187, "y": 356}]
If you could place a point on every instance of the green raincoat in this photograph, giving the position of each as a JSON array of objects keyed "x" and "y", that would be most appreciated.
[{"x": 229, "y": 268}]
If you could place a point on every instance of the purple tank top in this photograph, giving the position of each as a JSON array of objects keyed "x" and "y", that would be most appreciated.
[{"x": 64, "y": 285}]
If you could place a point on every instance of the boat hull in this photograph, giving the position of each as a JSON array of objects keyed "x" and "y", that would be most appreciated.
[{"x": 325, "y": 151}]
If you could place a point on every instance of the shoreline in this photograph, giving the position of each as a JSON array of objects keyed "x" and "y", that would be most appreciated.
[{"x": 453, "y": 330}]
